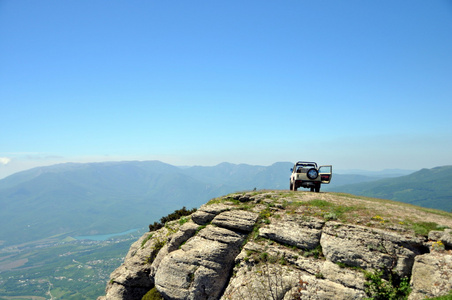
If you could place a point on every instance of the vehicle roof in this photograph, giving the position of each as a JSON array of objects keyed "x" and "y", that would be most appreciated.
[{"x": 306, "y": 163}]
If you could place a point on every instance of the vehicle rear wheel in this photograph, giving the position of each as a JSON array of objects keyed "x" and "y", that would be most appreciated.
[
  {"x": 291, "y": 186},
  {"x": 312, "y": 189},
  {"x": 317, "y": 188}
]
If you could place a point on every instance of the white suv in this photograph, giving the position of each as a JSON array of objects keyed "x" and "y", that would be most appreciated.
[{"x": 308, "y": 175}]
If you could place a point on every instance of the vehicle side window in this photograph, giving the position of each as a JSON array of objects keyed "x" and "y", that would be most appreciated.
[{"x": 325, "y": 169}]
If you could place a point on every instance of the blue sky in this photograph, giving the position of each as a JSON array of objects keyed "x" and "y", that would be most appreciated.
[{"x": 357, "y": 84}]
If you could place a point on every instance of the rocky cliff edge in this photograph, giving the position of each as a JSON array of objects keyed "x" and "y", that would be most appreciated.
[{"x": 291, "y": 245}]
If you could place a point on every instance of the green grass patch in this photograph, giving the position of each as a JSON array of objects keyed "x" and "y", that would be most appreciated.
[
  {"x": 153, "y": 294},
  {"x": 200, "y": 227},
  {"x": 183, "y": 220},
  {"x": 319, "y": 203},
  {"x": 423, "y": 228},
  {"x": 157, "y": 246},
  {"x": 146, "y": 240},
  {"x": 331, "y": 211},
  {"x": 316, "y": 253},
  {"x": 445, "y": 297}
]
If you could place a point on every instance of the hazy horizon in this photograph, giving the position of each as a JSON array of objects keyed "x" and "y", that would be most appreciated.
[{"x": 341, "y": 171}]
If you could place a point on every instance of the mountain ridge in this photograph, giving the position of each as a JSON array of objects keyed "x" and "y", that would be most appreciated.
[
  {"x": 426, "y": 187},
  {"x": 89, "y": 198}
]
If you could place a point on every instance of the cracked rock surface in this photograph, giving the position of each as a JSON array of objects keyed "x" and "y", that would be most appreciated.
[{"x": 279, "y": 245}]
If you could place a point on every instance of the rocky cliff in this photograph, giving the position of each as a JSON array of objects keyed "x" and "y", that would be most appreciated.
[{"x": 292, "y": 245}]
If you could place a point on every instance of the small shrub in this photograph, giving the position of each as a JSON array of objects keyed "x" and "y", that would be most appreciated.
[
  {"x": 191, "y": 276},
  {"x": 395, "y": 288},
  {"x": 265, "y": 213},
  {"x": 272, "y": 259},
  {"x": 263, "y": 256},
  {"x": 283, "y": 261},
  {"x": 157, "y": 246},
  {"x": 438, "y": 246},
  {"x": 255, "y": 232},
  {"x": 155, "y": 226},
  {"x": 153, "y": 294},
  {"x": 171, "y": 229},
  {"x": 176, "y": 215},
  {"x": 330, "y": 216}
]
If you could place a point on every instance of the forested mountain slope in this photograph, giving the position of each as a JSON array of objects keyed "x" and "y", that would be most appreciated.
[{"x": 427, "y": 188}]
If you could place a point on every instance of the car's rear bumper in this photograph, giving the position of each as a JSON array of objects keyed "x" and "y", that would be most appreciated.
[{"x": 306, "y": 184}]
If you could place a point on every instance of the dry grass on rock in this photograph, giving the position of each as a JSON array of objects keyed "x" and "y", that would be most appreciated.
[{"x": 346, "y": 208}]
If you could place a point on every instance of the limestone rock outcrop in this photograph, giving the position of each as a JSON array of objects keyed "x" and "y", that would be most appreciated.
[
  {"x": 284, "y": 245},
  {"x": 432, "y": 275},
  {"x": 370, "y": 248}
]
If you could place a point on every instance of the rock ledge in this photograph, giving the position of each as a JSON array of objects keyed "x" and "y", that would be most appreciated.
[{"x": 275, "y": 245}]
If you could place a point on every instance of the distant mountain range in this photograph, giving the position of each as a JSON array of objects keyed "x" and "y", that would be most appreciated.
[
  {"x": 99, "y": 198},
  {"x": 83, "y": 199}
]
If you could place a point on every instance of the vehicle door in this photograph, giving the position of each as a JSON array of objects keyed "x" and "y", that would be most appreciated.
[{"x": 326, "y": 172}]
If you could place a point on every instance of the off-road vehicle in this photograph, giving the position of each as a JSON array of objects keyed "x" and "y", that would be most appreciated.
[{"x": 308, "y": 175}]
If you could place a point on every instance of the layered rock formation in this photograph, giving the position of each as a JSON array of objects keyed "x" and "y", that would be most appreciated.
[{"x": 289, "y": 245}]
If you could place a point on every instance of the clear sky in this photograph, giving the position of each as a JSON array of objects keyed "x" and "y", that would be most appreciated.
[{"x": 353, "y": 83}]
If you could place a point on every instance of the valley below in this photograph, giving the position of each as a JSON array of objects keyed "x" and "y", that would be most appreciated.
[{"x": 61, "y": 267}]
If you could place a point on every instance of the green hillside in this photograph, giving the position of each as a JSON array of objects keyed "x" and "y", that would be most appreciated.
[
  {"x": 84, "y": 199},
  {"x": 93, "y": 198},
  {"x": 427, "y": 187}
]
